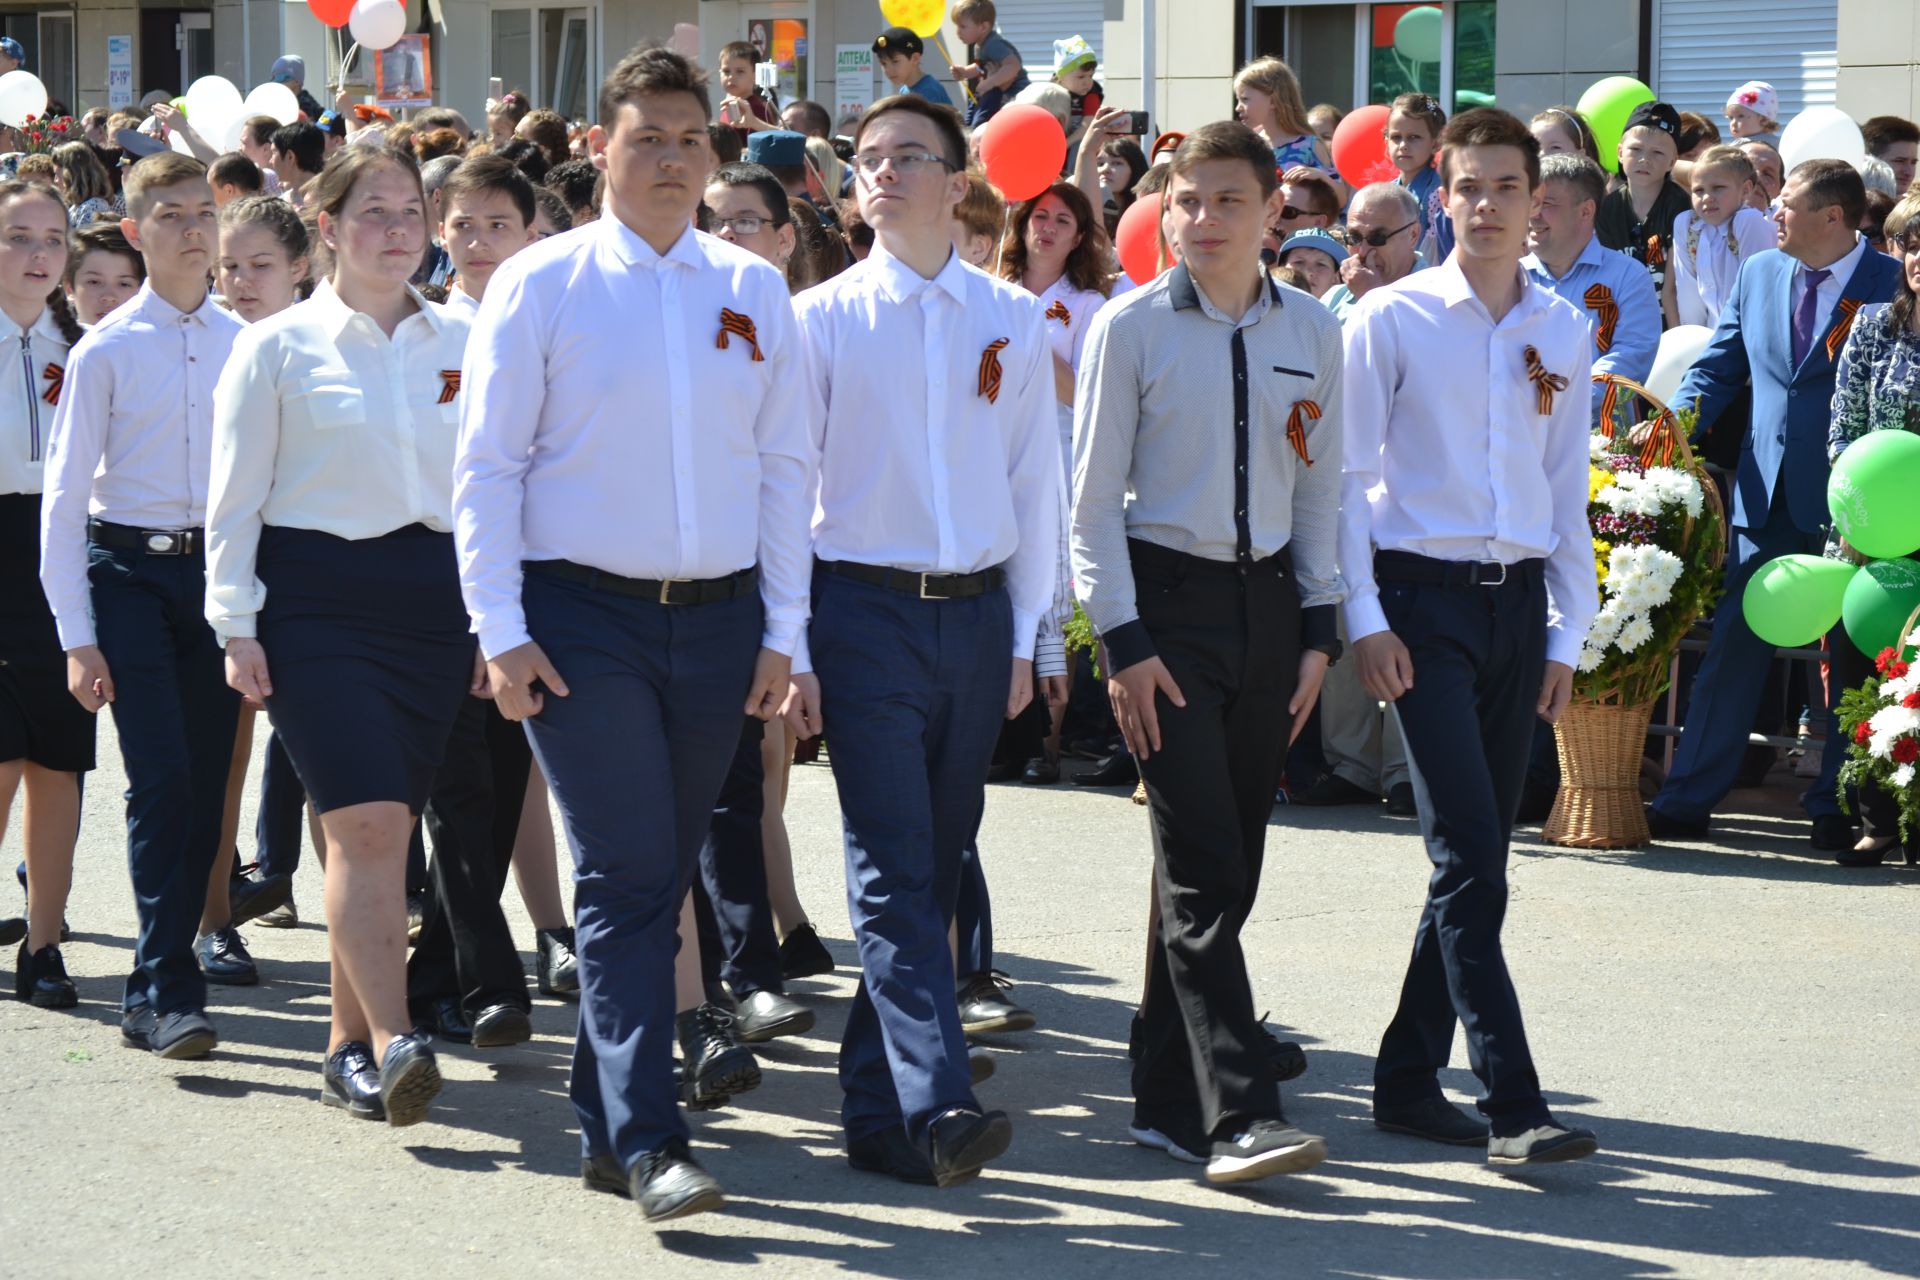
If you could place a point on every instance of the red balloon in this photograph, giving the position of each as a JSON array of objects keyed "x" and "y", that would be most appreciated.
[
  {"x": 333, "y": 13},
  {"x": 1360, "y": 147},
  {"x": 1137, "y": 240},
  {"x": 1023, "y": 150}
]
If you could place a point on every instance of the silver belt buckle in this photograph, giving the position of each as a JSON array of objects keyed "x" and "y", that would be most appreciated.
[
  {"x": 926, "y": 578},
  {"x": 1500, "y": 581},
  {"x": 163, "y": 544},
  {"x": 666, "y": 588}
]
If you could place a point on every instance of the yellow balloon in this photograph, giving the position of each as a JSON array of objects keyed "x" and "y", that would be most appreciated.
[{"x": 922, "y": 17}]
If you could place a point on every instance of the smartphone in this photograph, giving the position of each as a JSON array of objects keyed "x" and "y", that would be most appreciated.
[
  {"x": 496, "y": 88},
  {"x": 1137, "y": 123}
]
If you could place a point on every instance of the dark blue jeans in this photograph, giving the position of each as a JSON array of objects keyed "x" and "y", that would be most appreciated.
[
  {"x": 176, "y": 718},
  {"x": 736, "y": 916},
  {"x": 635, "y": 755},
  {"x": 913, "y": 694}
]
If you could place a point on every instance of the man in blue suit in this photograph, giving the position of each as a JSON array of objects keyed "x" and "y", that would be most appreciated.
[{"x": 1783, "y": 329}]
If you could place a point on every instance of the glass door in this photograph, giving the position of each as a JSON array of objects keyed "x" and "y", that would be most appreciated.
[
  {"x": 566, "y": 39},
  {"x": 193, "y": 36},
  {"x": 53, "y": 62}
]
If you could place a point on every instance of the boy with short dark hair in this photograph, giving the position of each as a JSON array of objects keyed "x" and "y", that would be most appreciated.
[
  {"x": 899, "y": 50},
  {"x": 233, "y": 176},
  {"x": 486, "y": 216},
  {"x": 1897, "y": 141},
  {"x": 124, "y": 568},
  {"x": 299, "y": 154},
  {"x": 993, "y": 73}
]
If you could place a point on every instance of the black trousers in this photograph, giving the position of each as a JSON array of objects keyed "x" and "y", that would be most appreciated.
[
  {"x": 731, "y": 909},
  {"x": 1231, "y": 640},
  {"x": 473, "y": 813},
  {"x": 1478, "y": 657}
]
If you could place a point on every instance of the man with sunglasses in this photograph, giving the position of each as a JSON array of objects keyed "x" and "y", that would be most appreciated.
[
  {"x": 936, "y": 540},
  {"x": 1307, "y": 202},
  {"x": 1383, "y": 238}
]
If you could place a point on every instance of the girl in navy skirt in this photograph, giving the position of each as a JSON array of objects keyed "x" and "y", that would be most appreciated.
[
  {"x": 46, "y": 736},
  {"x": 331, "y": 580}
]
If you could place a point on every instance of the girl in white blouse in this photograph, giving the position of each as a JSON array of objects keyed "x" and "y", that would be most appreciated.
[
  {"x": 46, "y": 736},
  {"x": 331, "y": 580}
]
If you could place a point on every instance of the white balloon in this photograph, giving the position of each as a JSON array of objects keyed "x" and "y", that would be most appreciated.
[
  {"x": 212, "y": 103},
  {"x": 21, "y": 95},
  {"x": 1822, "y": 133},
  {"x": 377, "y": 24},
  {"x": 274, "y": 100},
  {"x": 1680, "y": 346},
  {"x": 178, "y": 141}
]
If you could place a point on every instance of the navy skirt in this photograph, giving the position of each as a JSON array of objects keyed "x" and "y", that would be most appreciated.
[
  {"x": 370, "y": 656},
  {"x": 39, "y": 720}
]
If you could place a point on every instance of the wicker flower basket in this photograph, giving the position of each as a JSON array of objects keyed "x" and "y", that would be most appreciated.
[{"x": 1598, "y": 806}]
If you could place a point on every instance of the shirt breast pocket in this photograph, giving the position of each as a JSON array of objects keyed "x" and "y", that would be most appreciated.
[{"x": 327, "y": 401}]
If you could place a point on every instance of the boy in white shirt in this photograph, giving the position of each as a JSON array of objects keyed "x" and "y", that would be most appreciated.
[{"x": 486, "y": 216}]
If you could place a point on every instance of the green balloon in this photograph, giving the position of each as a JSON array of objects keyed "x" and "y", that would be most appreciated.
[
  {"x": 1879, "y": 600},
  {"x": 1417, "y": 34},
  {"x": 1794, "y": 600},
  {"x": 1871, "y": 494},
  {"x": 1606, "y": 105}
]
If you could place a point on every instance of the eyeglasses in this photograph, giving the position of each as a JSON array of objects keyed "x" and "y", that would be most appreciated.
[
  {"x": 1288, "y": 213},
  {"x": 748, "y": 224},
  {"x": 905, "y": 163},
  {"x": 1377, "y": 238}
]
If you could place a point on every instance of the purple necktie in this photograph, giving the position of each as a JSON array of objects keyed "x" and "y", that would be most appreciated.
[{"x": 1804, "y": 313}]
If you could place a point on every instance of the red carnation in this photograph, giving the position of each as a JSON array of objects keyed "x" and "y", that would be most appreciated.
[
  {"x": 1883, "y": 658},
  {"x": 1896, "y": 670},
  {"x": 1906, "y": 750},
  {"x": 1912, "y": 700},
  {"x": 1862, "y": 734}
]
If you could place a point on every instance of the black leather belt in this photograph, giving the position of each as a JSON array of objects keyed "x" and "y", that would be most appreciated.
[
  {"x": 155, "y": 542},
  {"x": 1405, "y": 566},
  {"x": 667, "y": 591},
  {"x": 928, "y": 586}
]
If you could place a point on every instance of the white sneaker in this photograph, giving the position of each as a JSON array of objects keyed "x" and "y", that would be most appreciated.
[{"x": 1544, "y": 1145}]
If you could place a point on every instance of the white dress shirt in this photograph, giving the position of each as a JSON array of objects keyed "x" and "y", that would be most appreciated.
[
  {"x": 1068, "y": 333},
  {"x": 131, "y": 441},
  {"x": 605, "y": 424},
  {"x": 919, "y": 470},
  {"x": 33, "y": 364},
  {"x": 1447, "y": 454},
  {"x": 1830, "y": 289},
  {"x": 460, "y": 302},
  {"x": 322, "y": 422}
]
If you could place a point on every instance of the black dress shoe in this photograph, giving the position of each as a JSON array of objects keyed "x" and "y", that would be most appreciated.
[
  {"x": 557, "y": 968},
  {"x": 136, "y": 1027},
  {"x": 409, "y": 1079},
  {"x": 980, "y": 1066},
  {"x": 349, "y": 1081},
  {"x": 182, "y": 1034},
  {"x": 803, "y": 955},
  {"x": 1332, "y": 789},
  {"x": 12, "y": 929},
  {"x": 602, "y": 1172},
  {"x": 1400, "y": 802},
  {"x": 40, "y": 979},
  {"x": 891, "y": 1152},
  {"x": 253, "y": 894},
  {"x": 962, "y": 1141},
  {"x": 714, "y": 1064},
  {"x": 764, "y": 1015},
  {"x": 985, "y": 1009},
  {"x": 1434, "y": 1119},
  {"x": 1833, "y": 833},
  {"x": 1285, "y": 1059},
  {"x": 444, "y": 1020},
  {"x": 1851, "y": 856},
  {"x": 1665, "y": 826},
  {"x": 1117, "y": 770},
  {"x": 720, "y": 996},
  {"x": 1041, "y": 771},
  {"x": 668, "y": 1183},
  {"x": 499, "y": 1026},
  {"x": 224, "y": 959},
  {"x": 1003, "y": 771}
]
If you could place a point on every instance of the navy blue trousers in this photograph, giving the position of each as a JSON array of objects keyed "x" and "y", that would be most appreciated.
[
  {"x": 635, "y": 756},
  {"x": 175, "y": 718},
  {"x": 973, "y": 915},
  {"x": 913, "y": 693},
  {"x": 735, "y": 916},
  {"x": 1478, "y": 657}
]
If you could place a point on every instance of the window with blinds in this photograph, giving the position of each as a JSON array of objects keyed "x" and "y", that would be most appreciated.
[
  {"x": 1705, "y": 49},
  {"x": 1033, "y": 26}
]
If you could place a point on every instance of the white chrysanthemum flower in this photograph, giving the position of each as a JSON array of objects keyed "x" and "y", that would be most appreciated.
[
  {"x": 1590, "y": 659},
  {"x": 1903, "y": 776},
  {"x": 1635, "y": 632}
]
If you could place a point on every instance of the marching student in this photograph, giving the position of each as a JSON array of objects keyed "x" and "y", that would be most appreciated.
[
  {"x": 486, "y": 216},
  {"x": 46, "y": 738},
  {"x": 636, "y": 580},
  {"x": 936, "y": 542},
  {"x": 331, "y": 581},
  {"x": 103, "y": 271},
  {"x": 1469, "y": 567},
  {"x": 1207, "y": 566},
  {"x": 123, "y": 564}
]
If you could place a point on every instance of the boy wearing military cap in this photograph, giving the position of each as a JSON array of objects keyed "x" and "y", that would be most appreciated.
[{"x": 899, "y": 50}]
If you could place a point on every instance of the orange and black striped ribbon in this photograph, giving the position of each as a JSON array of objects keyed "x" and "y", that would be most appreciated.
[
  {"x": 1609, "y": 400},
  {"x": 1659, "y": 446},
  {"x": 990, "y": 369},
  {"x": 1842, "y": 326},
  {"x": 449, "y": 386},
  {"x": 1297, "y": 430},
  {"x": 732, "y": 322},
  {"x": 1058, "y": 311},
  {"x": 1600, "y": 301},
  {"x": 56, "y": 376},
  {"x": 1656, "y": 252},
  {"x": 1544, "y": 383}
]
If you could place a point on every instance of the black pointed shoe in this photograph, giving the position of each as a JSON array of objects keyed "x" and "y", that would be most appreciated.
[
  {"x": 891, "y": 1152},
  {"x": 409, "y": 1079},
  {"x": 182, "y": 1034},
  {"x": 40, "y": 979},
  {"x": 1434, "y": 1119},
  {"x": 715, "y": 1065},
  {"x": 349, "y": 1081},
  {"x": 602, "y": 1172},
  {"x": 803, "y": 955},
  {"x": 1117, "y": 770},
  {"x": 962, "y": 1141},
  {"x": 224, "y": 959},
  {"x": 669, "y": 1183},
  {"x": 500, "y": 1026},
  {"x": 443, "y": 1019},
  {"x": 985, "y": 1009},
  {"x": 765, "y": 1015},
  {"x": 556, "y": 967}
]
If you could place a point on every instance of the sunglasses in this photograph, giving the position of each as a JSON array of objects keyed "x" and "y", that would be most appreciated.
[
  {"x": 1288, "y": 213},
  {"x": 1377, "y": 238}
]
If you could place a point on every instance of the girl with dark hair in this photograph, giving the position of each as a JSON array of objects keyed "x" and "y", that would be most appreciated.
[{"x": 46, "y": 736}]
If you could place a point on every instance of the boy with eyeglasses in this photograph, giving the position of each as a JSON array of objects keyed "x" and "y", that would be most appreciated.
[{"x": 936, "y": 538}]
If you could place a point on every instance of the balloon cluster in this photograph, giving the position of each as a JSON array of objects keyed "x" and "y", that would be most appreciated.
[
  {"x": 1794, "y": 600},
  {"x": 374, "y": 24}
]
